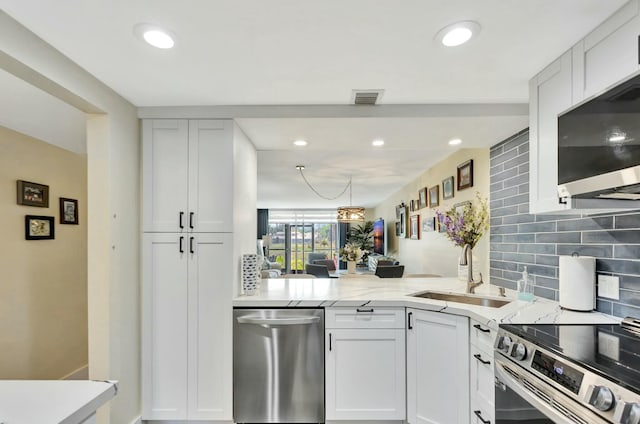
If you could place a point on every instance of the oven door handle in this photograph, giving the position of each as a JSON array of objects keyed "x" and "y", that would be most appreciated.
[{"x": 503, "y": 377}]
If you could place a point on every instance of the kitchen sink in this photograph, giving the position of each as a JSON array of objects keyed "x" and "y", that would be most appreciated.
[{"x": 463, "y": 298}]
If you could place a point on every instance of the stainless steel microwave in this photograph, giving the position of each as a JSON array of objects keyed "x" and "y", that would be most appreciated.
[{"x": 599, "y": 147}]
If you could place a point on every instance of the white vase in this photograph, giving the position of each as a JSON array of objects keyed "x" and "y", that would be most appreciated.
[{"x": 351, "y": 267}]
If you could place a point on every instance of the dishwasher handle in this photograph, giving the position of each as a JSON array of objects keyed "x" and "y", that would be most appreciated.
[{"x": 267, "y": 322}]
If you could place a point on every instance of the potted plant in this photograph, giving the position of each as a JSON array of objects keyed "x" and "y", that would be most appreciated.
[
  {"x": 464, "y": 226},
  {"x": 351, "y": 253},
  {"x": 362, "y": 236}
]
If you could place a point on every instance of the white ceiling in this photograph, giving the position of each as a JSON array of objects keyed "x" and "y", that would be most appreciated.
[
  {"x": 292, "y": 52},
  {"x": 31, "y": 111}
]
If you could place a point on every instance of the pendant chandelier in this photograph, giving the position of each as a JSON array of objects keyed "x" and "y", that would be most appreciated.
[{"x": 345, "y": 213}]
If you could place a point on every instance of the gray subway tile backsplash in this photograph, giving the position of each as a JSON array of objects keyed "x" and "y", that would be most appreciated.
[
  {"x": 519, "y": 239},
  {"x": 600, "y": 223},
  {"x": 628, "y": 221},
  {"x": 597, "y": 250}
]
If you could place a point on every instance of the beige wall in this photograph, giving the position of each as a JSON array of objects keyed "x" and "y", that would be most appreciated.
[
  {"x": 43, "y": 284},
  {"x": 434, "y": 253},
  {"x": 113, "y": 200}
]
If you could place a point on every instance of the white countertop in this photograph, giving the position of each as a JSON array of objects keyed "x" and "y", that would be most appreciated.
[
  {"x": 333, "y": 292},
  {"x": 52, "y": 401}
]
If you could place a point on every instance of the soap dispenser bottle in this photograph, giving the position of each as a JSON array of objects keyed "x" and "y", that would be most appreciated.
[{"x": 525, "y": 287}]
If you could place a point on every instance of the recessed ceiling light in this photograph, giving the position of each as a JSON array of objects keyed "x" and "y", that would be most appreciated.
[
  {"x": 457, "y": 33},
  {"x": 454, "y": 142},
  {"x": 300, "y": 143},
  {"x": 155, "y": 35},
  {"x": 377, "y": 143}
]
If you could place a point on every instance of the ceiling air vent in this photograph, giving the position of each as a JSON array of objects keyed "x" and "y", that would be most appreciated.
[{"x": 366, "y": 97}]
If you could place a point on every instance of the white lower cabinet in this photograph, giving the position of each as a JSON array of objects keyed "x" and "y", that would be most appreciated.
[
  {"x": 437, "y": 368},
  {"x": 481, "y": 379},
  {"x": 186, "y": 326},
  {"x": 365, "y": 364}
]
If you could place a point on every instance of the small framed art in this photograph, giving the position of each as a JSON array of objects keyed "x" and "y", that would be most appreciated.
[
  {"x": 434, "y": 196},
  {"x": 429, "y": 224},
  {"x": 39, "y": 227},
  {"x": 68, "y": 211},
  {"x": 33, "y": 194},
  {"x": 465, "y": 175},
  {"x": 422, "y": 194},
  {"x": 401, "y": 230},
  {"x": 415, "y": 227},
  {"x": 447, "y": 188}
]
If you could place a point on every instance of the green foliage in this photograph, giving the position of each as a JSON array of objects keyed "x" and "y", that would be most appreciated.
[{"x": 361, "y": 235}]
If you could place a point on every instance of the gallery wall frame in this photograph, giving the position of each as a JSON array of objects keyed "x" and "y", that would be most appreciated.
[
  {"x": 38, "y": 227},
  {"x": 447, "y": 188},
  {"x": 465, "y": 175},
  {"x": 434, "y": 196},
  {"x": 33, "y": 194},
  {"x": 422, "y": 198},
  {"x": 68, "y": 211},
  {"x": 415, "y": 227}
]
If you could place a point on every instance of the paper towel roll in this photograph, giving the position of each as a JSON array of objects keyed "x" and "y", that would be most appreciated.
[{"x": 578, "y": 283}]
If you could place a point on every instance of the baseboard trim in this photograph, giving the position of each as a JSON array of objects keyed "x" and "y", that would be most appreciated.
[
  {"x": 81, "y": 373},
  {"x": 137, "y": 420}
]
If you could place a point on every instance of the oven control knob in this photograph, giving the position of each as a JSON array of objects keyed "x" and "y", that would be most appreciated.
[
  {"x": 602, "y": 398},
  {"x": 519, "y": 352},
  {"x": 505, "y": 344}
]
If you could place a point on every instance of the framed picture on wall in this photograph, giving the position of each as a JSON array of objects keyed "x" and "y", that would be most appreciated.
[
  {"x": 447, "y": 188},
  {"x": 422, "y": 195},
  {"x": 459, "y": 207},
  {"x": 415, "y": 227},
  {"x": 402, "y": 230},
  {"x": 429, "y": 224},
  {"x": 68, "y": 211},
  {"x": 39, "y": 227},
  {"x": 33, "y": 194},
  {"x": 465, "y": 175},
  {"x": 434, "y": 196}
]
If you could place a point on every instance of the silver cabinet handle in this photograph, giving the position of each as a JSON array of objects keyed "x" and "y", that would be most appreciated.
[{"x": 278, "y": 321}]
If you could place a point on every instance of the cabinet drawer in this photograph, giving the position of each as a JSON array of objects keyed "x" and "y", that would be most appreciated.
[
  {"x": 482, "y": 387},
  {"x": 481, "y": 414},
  {"x": 364, "y": 317},
  {"x": 482, "y": 336}
]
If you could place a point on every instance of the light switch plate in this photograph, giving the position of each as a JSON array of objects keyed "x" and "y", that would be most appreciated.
[{"x": 609, "y": 286}]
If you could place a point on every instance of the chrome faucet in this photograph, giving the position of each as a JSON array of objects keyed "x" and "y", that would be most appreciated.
[{"x": 467, "y": 259}]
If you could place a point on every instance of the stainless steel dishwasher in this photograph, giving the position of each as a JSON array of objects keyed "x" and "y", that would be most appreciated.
[{"x": 278, "y": 365}]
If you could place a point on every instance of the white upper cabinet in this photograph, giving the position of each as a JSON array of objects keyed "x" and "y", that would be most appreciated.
[
  {"x": 605, "y": 57},
  {"x": 549, "y": 95},
  {"x": 187, "y": 174},
  {"x": 608, "y": 54}
]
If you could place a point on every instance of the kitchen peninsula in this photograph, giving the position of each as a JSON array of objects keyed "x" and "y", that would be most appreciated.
[
  {"x": 391, "y": 356},
  {"x": 371, "y": 292}
]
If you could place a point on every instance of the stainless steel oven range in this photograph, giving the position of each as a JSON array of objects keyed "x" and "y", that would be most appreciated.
[{"x": 573, "y": 374}]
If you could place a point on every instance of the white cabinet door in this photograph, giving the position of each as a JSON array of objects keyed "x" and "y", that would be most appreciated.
[
  {"x": 549, "y": 95},
  {"x": 187, "y": 175},
  {"x": 365, "y": 374},
  {"x": 211, "y": 176},
  {"x": 210, "y": 315},
  {"x": 608, "y": 54},
  {"x": 482, "y": 390},
  {"x": 164, "y": 327},
  {"x": 165, "y": 175},
  {"x": 186, "y": 321},
  {"x": 437, "y": 368}
]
